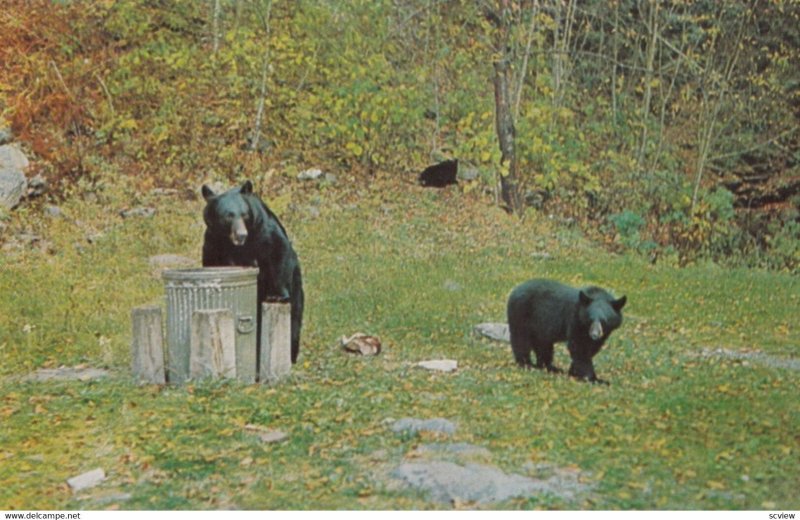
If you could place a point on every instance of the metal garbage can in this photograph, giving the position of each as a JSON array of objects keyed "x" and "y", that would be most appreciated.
[{"x": 187, "y": 290}]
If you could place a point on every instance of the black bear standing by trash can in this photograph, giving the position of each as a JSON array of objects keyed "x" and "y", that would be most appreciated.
[{"x": 241, "y": 230}]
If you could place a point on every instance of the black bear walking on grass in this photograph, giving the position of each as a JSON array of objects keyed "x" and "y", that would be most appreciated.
[
  {"x": 241, "y": 230},
  {"x": 543, "y": 312}
]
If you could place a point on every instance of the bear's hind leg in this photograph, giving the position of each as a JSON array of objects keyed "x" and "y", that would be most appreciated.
[
  {"x": 544, "y": 358},
  {"x": 522, "y": 351},
  {"x": 298, "y": 302}
]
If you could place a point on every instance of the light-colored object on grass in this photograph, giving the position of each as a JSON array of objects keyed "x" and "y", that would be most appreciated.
[
  {"x": 360, "y": 343},
  {"x": 413, "y": 425},
  {"x": 266, "y": 435},
  {"x": 139, "y": 211},
  {"x": 86, "y": 480},
  {"x": 451, "y": 483},
  {"x": 745, "y": 356},
  {"x": 495, "y": 331},
  {"x": 78, "y": 373},
  {"x": 212, "y": 344},
  {"x": 147, "y": 345},
  {"x": 439, "y": 365},
  {"x": 459, "y": 450},
  {"x": 6, "y": 135},
  {"x": 12, "y": 157},
  {"x": 310, "y": 174},
  {"x": 275, "y": 361},
  {"x": 13, "y": 184}
]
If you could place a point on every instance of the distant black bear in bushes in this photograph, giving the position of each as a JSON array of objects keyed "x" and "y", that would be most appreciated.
[
  {"x": 440, "y": 175},
  {"x": 241, "y": 230},
  {"x": 543, "y": 312}
]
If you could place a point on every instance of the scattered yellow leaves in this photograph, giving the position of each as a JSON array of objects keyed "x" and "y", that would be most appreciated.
[
  {"x": 725, "y": 388},
  {"x": 724, "y": 455}
]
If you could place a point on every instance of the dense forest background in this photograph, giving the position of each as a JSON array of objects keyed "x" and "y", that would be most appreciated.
[{"x": 668, "y": 128}]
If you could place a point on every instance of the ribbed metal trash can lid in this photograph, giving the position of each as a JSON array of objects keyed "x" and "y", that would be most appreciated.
[{"x": 208, "y": 274}]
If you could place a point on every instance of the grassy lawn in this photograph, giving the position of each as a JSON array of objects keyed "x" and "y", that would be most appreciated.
[{"x": 675, "y": 429}]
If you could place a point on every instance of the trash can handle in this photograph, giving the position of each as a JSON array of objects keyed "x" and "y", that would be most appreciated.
[{"x": 245, "y": 324}]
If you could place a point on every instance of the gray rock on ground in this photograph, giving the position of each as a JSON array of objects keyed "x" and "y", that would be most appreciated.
[
  {"x": 6, "y": 136},
  {"x": 12, "y": 187},
  {"x": 768, "y": 360},
  {"x": 452, "y": 285},
  {"x": 458, "y": 450},
  {"x": 451, "y": 482},
  {"x": 467, "y": 172},
  {"x": 494, "y": 331},
  {"x": 273, "y": 436},
  {"x": 447, "y": 482},
  {"x": 105, "y": 499},
  {"x": 12, "y": 157},
  {"x": 140, "y": 212},
  {"x": 86, "y": 480},
  {"x": 13, "y": 184},
  {"x": 412, "y": 425},
  {"x": 310, "y": 174},
  {"x": 439, "y": 365},
  {"x": 68, "y": 374},
  {"x": 266, "y": 435},
  {"x": 53, "y": 211}
]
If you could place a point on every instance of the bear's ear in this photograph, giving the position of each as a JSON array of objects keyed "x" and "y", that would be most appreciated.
[
  {"x": 619, "y": 304},
  {"x": 246, "y": 188},
  {"x": 208, "y": 193},
  {"x": 584, "y": 298}
]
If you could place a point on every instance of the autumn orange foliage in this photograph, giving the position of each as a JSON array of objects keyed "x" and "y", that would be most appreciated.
[{"x": 49, "y": 85}]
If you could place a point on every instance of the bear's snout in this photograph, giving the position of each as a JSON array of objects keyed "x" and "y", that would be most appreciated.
[
  {"x": 596, "y": 330},
  {"x": 238, "y": 233}
]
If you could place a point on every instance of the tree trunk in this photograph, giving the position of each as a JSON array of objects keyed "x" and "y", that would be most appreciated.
[
  {"x": 265, "y": 67},
  {"x": 506, "y": 135},
  {"x": 504, "y": 119},
  {"x": 652, "y": 44},
  {"x": 614, "y": 68},
  {"x": 562, "y": 34},
  {"x": 215, "y": 26},
  {"x": 524, "y": 69}
]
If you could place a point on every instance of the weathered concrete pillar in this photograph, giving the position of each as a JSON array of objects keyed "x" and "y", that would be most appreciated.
[
  {"x": 147, "y": 345},
  {"x": 275, "y": 357},
  {"x": 212, "y": 344}
]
